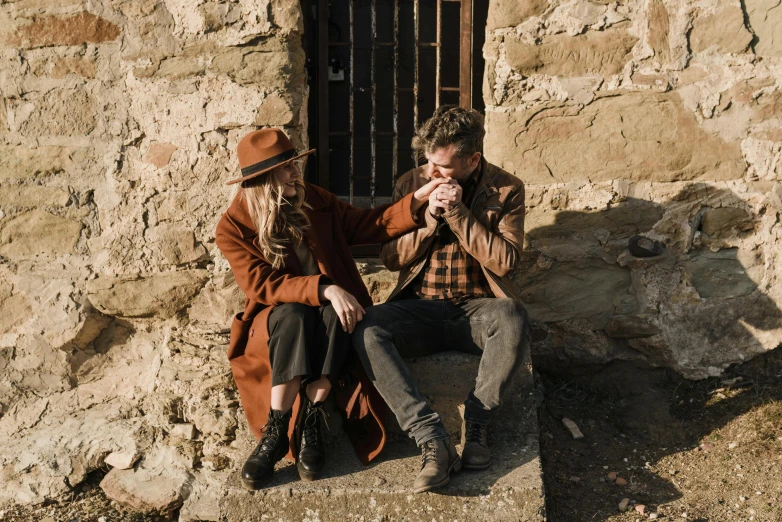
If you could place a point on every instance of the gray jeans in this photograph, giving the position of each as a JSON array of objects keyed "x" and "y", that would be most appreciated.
[{"x": 496, "y": 329}]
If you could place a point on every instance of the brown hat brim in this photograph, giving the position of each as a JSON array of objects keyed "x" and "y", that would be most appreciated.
[{"x": 264, "y": 171}]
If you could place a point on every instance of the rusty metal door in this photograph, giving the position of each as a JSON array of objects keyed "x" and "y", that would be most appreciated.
[{"x": 378, "y": 68}]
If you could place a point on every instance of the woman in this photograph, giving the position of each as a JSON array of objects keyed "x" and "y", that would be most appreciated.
[{"x": 288, "y": 245}]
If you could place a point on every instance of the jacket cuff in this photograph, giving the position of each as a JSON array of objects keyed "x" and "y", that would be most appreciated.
[
  {"x": 458, "y": 212},
  {"x": 408, "y": 218},
  {"x": 312, "y": 289}
]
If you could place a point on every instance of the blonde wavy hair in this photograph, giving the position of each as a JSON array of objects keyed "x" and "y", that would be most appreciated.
[{"x": 278, "y": 220}]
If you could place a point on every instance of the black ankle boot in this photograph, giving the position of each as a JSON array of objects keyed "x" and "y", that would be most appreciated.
[
  {"x": 312, "y": 454},
  {"x": 258, "y": 470}
]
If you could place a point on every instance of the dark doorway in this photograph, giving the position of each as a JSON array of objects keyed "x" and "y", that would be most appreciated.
[{"x": 377, "y": 69}]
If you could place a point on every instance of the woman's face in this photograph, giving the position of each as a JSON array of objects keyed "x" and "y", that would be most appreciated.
[{"x": 287, "y": 176}]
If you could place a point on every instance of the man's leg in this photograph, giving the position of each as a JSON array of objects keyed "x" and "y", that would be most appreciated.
[
  {"x": 499, "y": 329},
  {"x": 388, "y": 333}
]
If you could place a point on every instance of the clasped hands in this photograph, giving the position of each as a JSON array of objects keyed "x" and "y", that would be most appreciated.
[{"x": 442, "y": 194}]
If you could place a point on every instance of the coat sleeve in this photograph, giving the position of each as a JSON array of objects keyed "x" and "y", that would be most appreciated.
[
  {"x": 500, "y": 250},
  {"x": 376, "y": 225},
  {"x": 256, "y": 277},
  {"x": 403, "y": 250}
]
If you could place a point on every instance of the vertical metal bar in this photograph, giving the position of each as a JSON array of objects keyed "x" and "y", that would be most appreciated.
[
  {"x": 465, "y": 56},
  {"x": 351, "y": 61},
  {"x": 323, "y": 94},
  {"x": 415, "y": 70},
  {"x": 438, "y": 53},
  {"x": 395, "y": 145},
  {"x": 373, "y": 117}
]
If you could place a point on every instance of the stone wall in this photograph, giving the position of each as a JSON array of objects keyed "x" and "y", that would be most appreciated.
[
  {"x": 118, "y": 122},
  {"x": 652, "y": 118},
  {"x": 118, "y": 125}
]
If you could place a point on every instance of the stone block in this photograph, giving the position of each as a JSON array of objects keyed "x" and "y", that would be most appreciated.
[
  {"x": 159, "y": 295},
  {"x": 38, "y": 233},
  {"x": 28, "y": 162},
  {"x": 153, "y": 492},
  {"x": 638, "y": 136},
  {"x": 658, "y": 29},
  {"x": 510, "y": 490},
  {"x": 595, "y": 52},
  {"x": 46, "y": 31},
  {"x": 276, "y": 110},
  {"x": 121, "y": 459},
  {"x": 725, "y": 222},
  {"x": 62, "y": 113},
  {"x": 724, "y": 30},
  {"x": 727, "y": 273},
  {"x": 217, "y": 303},
  {"x": 33, "y": 196},
  {"x": 159, "y": 154},
  {"x": 580, "y": 289},
  {"x": 765, "y": 18},
  {"x": 176, "y": 244},
  {"x": 510, "y": 13},
  {"x": 14, "y": 309}
]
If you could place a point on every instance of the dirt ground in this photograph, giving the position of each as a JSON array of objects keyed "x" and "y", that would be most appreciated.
[{"x": 706, "y": 450}]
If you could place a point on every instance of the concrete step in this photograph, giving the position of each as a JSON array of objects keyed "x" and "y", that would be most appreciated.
[{"x": 511, "y": 489}]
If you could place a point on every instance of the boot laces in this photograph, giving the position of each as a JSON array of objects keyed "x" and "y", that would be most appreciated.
[
  {"x": 475, "y": 433},
  {"x": 428, "y": 452},
  {"x": 271, "y": 434},
  {"x": 315, "y": 412}
]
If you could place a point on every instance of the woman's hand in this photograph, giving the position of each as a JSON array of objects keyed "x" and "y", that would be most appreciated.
[
  {"x": 349, "y": 311},
  {"x": 421, "y": 195}
]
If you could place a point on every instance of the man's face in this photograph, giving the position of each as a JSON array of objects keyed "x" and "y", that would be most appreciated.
[{"x": 444, "y": 163}]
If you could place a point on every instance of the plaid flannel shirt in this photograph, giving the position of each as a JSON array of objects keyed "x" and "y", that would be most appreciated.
[{"x": 450, "y": 272}]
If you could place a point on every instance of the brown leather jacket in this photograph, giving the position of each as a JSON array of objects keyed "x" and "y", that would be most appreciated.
[{"x": 491, "y": 230}]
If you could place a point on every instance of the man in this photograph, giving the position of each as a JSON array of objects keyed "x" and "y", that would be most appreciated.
[{"x": 453, "y": 293}]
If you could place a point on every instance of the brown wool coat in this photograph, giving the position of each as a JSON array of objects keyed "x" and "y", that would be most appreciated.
[{"x": 335, "y": 226}]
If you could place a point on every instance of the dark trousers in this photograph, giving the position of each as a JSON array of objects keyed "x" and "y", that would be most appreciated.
[
  {"x": 496, "y": 329},
  {"x": 306, "y": 341}
]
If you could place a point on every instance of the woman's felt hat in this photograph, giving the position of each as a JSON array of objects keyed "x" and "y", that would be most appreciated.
[{"x": 262, "y": 150}]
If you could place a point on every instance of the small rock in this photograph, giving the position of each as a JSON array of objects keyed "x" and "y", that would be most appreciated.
[
  {"x": 640, "y": 246},
  {"x": 47, "y": 519},
  {"x": 121, "y": 460},
  {"x": 640, "y": 508},
  {"x": 573, "y": 428},
  {"x": 707, "y": 447},
  {"x": 743, "y": 498},
  {"x": 379, "y": 481},
  {"x": 732, "y": 445},
  {"x": 574, "y": 478},
  {"x": 623, "y": 504},
  {"x": 653, "y": 516},
  {"x": 184, "y": 431},
  {"x": 102, "y": 519},
  {"x": 612, "y": 475},
  {"x": 621, "y": 482}
]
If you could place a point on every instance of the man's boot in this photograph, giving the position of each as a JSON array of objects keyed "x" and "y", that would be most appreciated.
[
  {"x": 438, "y": 460},
  {"x": 258, "y": 470},
  {"x": 312, "y": 454},
  {"x": 475, "y": 440}
]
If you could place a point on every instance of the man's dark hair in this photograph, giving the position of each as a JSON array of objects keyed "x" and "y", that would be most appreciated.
[{"x": 450, "y": 125}]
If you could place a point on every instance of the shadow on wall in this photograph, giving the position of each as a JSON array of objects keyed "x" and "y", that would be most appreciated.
[{"x": 693, "y": 304}]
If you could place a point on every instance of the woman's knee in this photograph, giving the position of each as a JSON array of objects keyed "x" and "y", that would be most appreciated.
[{"x": 294, "y": 314}]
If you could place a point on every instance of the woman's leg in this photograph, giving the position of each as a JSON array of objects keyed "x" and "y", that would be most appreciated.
[
  {"x": 284, "y": 395},
  {"x": 317, "y": 391}
]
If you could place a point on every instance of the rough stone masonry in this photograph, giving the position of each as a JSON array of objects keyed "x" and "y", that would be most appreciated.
[{"x": 118, "y": 122}]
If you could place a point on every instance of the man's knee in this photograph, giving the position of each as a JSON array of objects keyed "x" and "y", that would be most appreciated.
[
  {"x": 367, "y": 331},
  {"x": 511, "y": 315}
]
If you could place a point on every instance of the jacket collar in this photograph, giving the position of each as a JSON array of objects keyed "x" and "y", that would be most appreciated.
[
  {"x": 486, "y": 181},
  {"x": 241, "y": 217}
]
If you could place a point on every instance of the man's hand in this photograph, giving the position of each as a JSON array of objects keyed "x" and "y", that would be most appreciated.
[
  {"x": 349, "y": 311},
  {"x": 445, "y": 197},
  {"x": 422, "y": 194}
]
